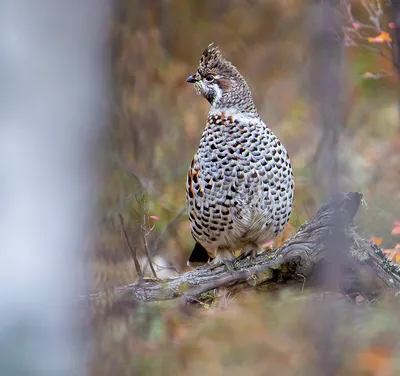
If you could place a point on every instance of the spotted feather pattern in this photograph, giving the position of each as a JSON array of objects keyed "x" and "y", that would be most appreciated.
[{"x": 240, "y": 184}]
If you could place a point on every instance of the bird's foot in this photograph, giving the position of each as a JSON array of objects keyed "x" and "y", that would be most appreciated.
[
  {"x": 224, "y": 258},
  {"x": 250, "y": 250},
  {"x": 229, "y": 265}
]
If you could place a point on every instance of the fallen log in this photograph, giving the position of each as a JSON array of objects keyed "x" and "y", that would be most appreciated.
[{"x": 365, "y": 269}]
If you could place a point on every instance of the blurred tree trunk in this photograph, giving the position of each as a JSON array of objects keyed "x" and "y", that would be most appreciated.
[
  {"x": 53, "y": 71},
  {"x": 326, "y": 79},
  {"x": 395, "y": 18},
  {"x": 327, "y": 52}
]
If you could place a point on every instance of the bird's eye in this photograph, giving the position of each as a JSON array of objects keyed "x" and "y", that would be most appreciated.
[{"x": 209, "y": 77}]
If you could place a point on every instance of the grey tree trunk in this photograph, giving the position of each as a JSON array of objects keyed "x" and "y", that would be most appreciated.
[
  {"x": 327, "y": 52},
  {"x": 52, "y": 96},
  {"x": 326, "y": 78}
]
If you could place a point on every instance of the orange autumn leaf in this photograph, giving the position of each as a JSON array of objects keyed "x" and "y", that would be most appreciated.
[
  {"x": 389, "y": 253},
  {"x": 381, "y": 38},
  {"x": 376, "y": 361},
  {"x": 369, "y": 75},
  {"x": 396, "y": 228},
  {"x": 377, "y": 241},
  {"x": 393, "y": 254}
]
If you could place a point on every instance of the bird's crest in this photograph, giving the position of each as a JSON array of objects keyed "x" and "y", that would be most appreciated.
[{"x": 211, "y": 61}]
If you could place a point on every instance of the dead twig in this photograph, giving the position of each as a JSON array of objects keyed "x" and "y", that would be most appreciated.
[
  {"x": 145, "y": 234},
  {"x": 132, "y": 250}
]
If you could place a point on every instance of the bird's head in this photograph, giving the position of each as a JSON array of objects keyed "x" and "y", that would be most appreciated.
[{"x": 221, "y": 83}]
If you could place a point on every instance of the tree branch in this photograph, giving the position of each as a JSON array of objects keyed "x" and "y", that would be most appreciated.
[
  {"x": 367, "y": 271},
  {"x": 132, "y": 250}
]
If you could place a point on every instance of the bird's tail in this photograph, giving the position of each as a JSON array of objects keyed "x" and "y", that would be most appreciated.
[{"x": 199, "y": 256}]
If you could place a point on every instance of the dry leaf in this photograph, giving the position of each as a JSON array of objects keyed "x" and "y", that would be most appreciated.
[
  {"x": 381, "y": 38},
  {"x": 396, "y": 231},
  {"x": 360, "y": 299},
  {"x": 396, "y": 228},
  {"x": 369, "y": 75},
  {"x": 393, "y": 254},
  {"x": 377, "y": 241}
]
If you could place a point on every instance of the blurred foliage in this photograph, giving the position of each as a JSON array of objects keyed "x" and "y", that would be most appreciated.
[
  {"x": 157, "y": 124},
  {"x": 252, "y": 334}
]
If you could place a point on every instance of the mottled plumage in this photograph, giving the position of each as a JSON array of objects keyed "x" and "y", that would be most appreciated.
[{"x": 240, "y": 183}]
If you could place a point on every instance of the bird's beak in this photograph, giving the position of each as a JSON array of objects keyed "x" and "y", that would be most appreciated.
[{"x": 191, "y": 79}]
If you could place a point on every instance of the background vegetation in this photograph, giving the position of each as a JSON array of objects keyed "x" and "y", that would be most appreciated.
[{"x": 156, "y": 127}]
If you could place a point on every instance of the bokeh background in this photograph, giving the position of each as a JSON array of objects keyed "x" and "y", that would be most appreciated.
[{"x": 298, "y": 73}]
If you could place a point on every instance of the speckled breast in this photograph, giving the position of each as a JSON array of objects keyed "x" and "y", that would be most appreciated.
[{"x": 240, "y": 173}]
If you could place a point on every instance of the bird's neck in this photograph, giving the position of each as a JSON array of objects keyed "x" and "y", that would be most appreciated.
[
  {"x": 237, "y": 99},
  {"x": 235, "y": 112},
  {"x": 230, "y": 116}
]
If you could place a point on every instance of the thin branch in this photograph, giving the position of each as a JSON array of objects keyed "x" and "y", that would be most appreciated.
[
  {"x": 145, "y": 234},
  {"x": 131, "y": 250},
  {"x": 373, "y": 49},
  {"x": 167, "y": 267},
  {"x": 375, "y": 13}
]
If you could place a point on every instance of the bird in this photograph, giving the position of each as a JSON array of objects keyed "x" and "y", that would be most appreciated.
[{"x": 240, "y": 184}]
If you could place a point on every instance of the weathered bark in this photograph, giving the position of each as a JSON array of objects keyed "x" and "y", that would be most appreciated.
[{"x": 367, "y": 271}]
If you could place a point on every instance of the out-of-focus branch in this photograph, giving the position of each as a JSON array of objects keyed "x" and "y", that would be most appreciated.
[
  {"x": 361, "y": 35},
  {"x": 132, "y": 250},
  {"x": 146, "y": 230}
]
